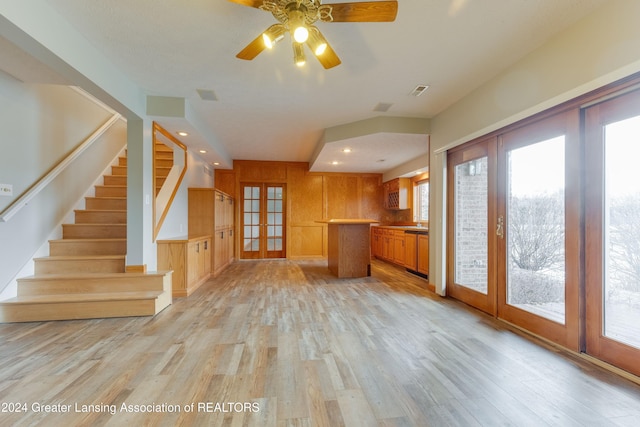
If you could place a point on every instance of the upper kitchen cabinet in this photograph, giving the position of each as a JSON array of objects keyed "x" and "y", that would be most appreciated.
[{"x": 397, "y": 194}]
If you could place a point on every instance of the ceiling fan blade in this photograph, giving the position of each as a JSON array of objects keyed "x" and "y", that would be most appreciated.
[
  {"x": 329, "y": 59},
  {"x": 368, "y": 11},
  {"x": 250, "y": 3},
  {"x": 252, "y": 49}
]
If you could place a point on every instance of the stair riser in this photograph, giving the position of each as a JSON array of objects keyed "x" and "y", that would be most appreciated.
[
  {"x": 94, "y": 231},
  {"x": 78, "y": 310},
  {"x": 162, "y": 172},
  {"x": 60, "y": 247},
  {"x": 122, "y": 161},
  {"x": 84, "y": 285},
  {"x": 46, "y": 266},
  {"x": 101, "y": 217},
  {"x": 102, "y": 191},
  {"x": 111, "y": 204},
  {"x": 115, "y": 180},
  {"x": 118, "y": 170},
  {"x": 164, "y": 163}
]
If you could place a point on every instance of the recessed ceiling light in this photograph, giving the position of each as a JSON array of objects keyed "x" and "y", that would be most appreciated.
[
  {"x": 216, "y": 163},
  {"x": 182, "y": 133},
  {"x": 203, "y": 151},
  {"x": 346, "y": 150},
  {"x": 334, "y": 162}
]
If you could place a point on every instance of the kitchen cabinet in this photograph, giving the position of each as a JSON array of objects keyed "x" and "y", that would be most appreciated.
[
  {"x": 190, "y": 260},
  {"x": 387, "y": 244},
  {"x": 423, "y": 254},
  {"x": 398, "y": 247},
  {"x": 404, "y": 246},
  {"x": 397, "y": 194},
  {"x": 377, "y": 236},
  {"x": 411, "y": 251}
]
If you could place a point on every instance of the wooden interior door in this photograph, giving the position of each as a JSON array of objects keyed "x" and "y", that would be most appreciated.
[
  {"x": 263, "y": 221},
  {"x": 612, "y": 223},
  {"x": 471, "y": 257}
]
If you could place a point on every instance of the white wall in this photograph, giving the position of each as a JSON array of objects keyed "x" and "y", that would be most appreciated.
[
  {"x": 42, "y": 124},
  {"x": 600, "y": 49}
]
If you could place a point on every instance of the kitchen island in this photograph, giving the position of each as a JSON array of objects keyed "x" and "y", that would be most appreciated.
[{"x": 349, "y": 248}]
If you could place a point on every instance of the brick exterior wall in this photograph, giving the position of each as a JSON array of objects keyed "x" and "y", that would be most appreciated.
[{"x": 471, "y": 224}]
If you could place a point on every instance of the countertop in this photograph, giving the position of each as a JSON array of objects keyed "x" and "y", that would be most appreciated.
[
  {"x": 348, "y": 221},
  {"x": 406, "y": 228}
]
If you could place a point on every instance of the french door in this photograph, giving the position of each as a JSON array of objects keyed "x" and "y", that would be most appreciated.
[
  {"x": 471, "y": 271},
  {"x": 513, "y": 227},
  {"x": 263, "y": 221},
  {"x": 612, "y": 222},
  {"x": 538, "y": 228}
]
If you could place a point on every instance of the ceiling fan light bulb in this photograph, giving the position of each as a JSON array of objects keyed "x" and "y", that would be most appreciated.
[
  {"x": 301, "y": 34},
  {"x": 267, "y": 41},
  {"x": 273, "y": 35},
  {"x": 298, "y": 54},
  {"x": 317, "y": 43}
]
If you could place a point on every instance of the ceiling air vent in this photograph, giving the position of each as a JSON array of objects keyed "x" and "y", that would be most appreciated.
[
  {"x": 382, "y": 107},
  {"x": 419, "y": 90},
  {"x": 207, "y": 95}
]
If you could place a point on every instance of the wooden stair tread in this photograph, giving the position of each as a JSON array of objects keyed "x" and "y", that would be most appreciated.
[
  {"x": 103, "y": 210},
  {"x": 107, "y": 296},
  {"x": 83, "y": 276},
  {"x": 79, "y": 257},
  {"x": 115, "y": 239}
]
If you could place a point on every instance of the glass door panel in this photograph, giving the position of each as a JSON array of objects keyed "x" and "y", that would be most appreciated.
[
  {"x": 471, "y": 255},
  {"x": 535, "y": 236},
  {"x": 472, "y": 211},
  {"x": 263, "y": 221},
  {"x": 251, "y": 227},
  {"x": 540, "y": 242},
  {"x": 275, "y": 222},
  {"x": 612, "y": 211},
  {"x": 621, "y": 287}
]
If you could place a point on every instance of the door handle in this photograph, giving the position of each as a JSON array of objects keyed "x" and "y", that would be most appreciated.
[{"x": 500, "y": 227}]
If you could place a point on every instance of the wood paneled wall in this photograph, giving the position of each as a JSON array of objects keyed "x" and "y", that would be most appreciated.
[{"x": 311, "y": 196}]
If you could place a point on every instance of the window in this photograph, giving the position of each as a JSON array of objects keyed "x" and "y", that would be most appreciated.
[{"x": 421, "y": 201}]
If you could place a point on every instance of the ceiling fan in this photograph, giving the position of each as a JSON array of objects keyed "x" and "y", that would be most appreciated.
[{"x": 298, "y": 17}]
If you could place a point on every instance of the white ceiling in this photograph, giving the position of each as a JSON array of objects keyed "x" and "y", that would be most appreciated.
[{"x": 269, "y": 109}]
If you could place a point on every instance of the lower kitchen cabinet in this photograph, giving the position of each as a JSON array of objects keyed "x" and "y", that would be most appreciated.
[
  {"x": 398, "y": 247},
  {"x": 407, "y": 247},
  {"x": 411, "y": 251},
  {"x": 190, "y": 260},
  {"x": 423, "y": 254}
]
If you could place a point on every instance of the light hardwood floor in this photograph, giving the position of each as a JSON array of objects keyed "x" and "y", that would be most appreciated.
[{"x": 294, "y": 346}]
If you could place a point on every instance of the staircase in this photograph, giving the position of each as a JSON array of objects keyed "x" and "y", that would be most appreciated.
[
  {"x": 84, "y": 276},
  {"x": 163, "y": 158}
]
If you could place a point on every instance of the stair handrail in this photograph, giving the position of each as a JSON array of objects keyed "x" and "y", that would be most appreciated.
[{"x": 36, "y": 188}]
